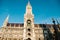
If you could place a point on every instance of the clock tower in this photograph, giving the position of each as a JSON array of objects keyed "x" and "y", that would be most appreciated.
[{"x": 28, "y": 23}]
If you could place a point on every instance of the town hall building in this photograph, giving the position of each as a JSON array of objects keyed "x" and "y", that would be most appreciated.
[{"x": 27, "y": 30}]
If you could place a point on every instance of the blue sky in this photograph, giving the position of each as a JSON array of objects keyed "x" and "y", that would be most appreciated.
[{"x": 43, "y": 10}]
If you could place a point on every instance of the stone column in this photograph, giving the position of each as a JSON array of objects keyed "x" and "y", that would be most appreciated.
[
  {"x": 17, "y": 39},
  {"x": 11, "y": 38},
  {"x": 1, "y": 38},
  {"x": 7, "y": 38}
]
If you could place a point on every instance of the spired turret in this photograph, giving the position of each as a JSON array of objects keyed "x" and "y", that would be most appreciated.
[
  {"x": 28, "y": 8},
  {"x": 28, "y": 12},
  {"x": 6, "y": 21}
]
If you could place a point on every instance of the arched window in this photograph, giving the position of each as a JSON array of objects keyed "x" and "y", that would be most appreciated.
[
  {"x": 29, "y": 34},
  {"x": 29, "y": 39},
  {"x": 29, "y": 29},
  {"x": 28, "y": 22}
]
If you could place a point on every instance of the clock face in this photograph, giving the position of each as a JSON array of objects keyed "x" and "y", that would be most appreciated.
[{"x": 28, "y": 21}]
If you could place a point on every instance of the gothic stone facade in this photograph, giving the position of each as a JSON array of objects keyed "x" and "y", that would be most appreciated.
[{"x": 24, "y": 31}]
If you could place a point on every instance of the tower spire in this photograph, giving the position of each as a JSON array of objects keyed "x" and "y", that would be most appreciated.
[
  {"x": 28, "y": 2},
  {"x": 6, "y": 21},
  {"x": 29, "y": 8}
]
